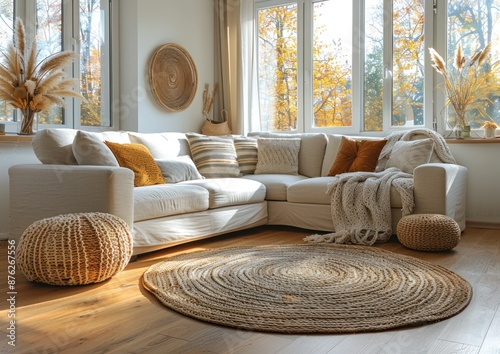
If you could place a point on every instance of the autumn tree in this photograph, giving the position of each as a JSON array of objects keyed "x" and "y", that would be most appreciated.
[
  {"x": 90, "y": 64},
  {"x": 278, "y": 67}
]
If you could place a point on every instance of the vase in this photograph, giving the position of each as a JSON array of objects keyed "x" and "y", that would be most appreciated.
[
  {"x": 457, "y": 131},
  {"x": 466, "y": 132},
  {"x": 489, "y": 133},
  {"x": 27, "y": 121}
]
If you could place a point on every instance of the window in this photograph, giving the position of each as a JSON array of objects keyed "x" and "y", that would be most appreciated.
[
  {"x": 474, "y": 23},
  {"x": 359, "y": 66},
  {"x": 79, "y": 25}
]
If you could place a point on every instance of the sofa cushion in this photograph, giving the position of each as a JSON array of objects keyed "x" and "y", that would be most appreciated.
[
  {"x": 137, "y": 158},
  {"x": 276, "y": 185},
  {"x": 168, "y": 199},
  {"x": 231, "y": 191},
  {"x": 178, "y": 169},
  {"x": 407, "y": 155},
  {"x": 312, "y": 150},
  {"x": 213, "y": 156},
  {"x": 162, "y": 145},
  {"x": 313, "y": 191},
  {"x": 278, "y": 156},
  {"x": 357, "y": 156},
  {"x": 89, "y": 149}
]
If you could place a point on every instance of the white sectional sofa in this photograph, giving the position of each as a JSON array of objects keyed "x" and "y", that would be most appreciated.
[{"x": 164, "y": 215}]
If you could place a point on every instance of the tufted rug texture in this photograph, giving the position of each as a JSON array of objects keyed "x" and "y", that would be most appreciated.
[{"x": 307, "y": 288}]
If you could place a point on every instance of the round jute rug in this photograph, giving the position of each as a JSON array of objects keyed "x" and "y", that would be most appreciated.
[{"x": 307, "y": 288}]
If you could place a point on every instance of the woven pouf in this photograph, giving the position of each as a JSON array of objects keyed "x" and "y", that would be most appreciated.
[
  {"x": 75, "y": 249},
  {"x": 428, "y": 232}
]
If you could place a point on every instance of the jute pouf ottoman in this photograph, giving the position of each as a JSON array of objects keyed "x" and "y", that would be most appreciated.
[
  {"x": 75, "y": 249},
  {"x": 428, "y": 232}
]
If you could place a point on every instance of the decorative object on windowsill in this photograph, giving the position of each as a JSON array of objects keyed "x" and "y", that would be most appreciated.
[
  {"x": 489, "y": 129},
  {"x": 466, "y": 85},
  {"x": 173, "y": 77},
  {"x": 211, "y": 127},
  {"x": 33, "y": 87}
]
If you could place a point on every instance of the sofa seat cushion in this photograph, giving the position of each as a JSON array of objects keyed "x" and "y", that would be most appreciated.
[
  {"x": 230, "y": 191},
  {"x": 313, "y": 191},
  {"x": 168, "y": 199},
  {"x": 276, "y": 184}
]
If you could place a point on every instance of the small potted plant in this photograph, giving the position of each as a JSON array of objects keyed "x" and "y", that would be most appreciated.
[{"x": 489, "y": 129}]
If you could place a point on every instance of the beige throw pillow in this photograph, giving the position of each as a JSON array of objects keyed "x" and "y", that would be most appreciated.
[
  {"x": 407, "y": 155},
  {"x": 178, "y": 169},
  {"x": 278, "y": 156},
  {"x": 89, "y": 149}
]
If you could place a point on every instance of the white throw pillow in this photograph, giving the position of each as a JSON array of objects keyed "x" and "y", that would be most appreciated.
[
  {"x": 407, "y": 155},
  {"x": 178, "y": 169},
  {"x": 278, "y": 156},
  {"x": 89, "y": 149}
]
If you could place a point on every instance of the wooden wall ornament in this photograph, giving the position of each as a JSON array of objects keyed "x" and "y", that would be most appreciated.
[{"x": 173, "y": 77}]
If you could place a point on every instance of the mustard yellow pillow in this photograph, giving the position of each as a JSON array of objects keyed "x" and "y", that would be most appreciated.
[
  {"x": 137, "y": 158},
  {"x": 357, "y": 155}
]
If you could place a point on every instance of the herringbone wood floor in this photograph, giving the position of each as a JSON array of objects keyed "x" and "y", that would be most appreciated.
[{"x": 119, "y": 316}]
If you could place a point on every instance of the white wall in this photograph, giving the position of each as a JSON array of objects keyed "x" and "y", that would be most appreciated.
[
  {"x": 145, "y": 27},
  {"x": 483, "y": 192}
]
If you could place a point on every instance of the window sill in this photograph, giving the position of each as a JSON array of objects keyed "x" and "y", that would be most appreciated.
[
  {"x": 474, "y": 141},
  {"x": 15, "y": 138}
]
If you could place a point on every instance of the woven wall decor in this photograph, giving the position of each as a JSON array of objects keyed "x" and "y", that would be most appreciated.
[
  {"x": 75, "y": 249},
  {"x": 173, "y": 77}
]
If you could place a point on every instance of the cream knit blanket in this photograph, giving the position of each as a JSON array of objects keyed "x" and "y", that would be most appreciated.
[
  {"x": 360, "y": 201},
  {"x": 361, "y": 207}
]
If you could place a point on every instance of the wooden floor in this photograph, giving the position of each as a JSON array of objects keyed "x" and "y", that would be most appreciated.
[{"x": 120, "y": 316}]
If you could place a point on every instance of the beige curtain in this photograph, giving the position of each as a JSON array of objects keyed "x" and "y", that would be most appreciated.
[{"x": 226, "y": 56}]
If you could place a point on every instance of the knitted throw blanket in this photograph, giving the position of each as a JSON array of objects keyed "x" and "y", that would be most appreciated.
[
  {"x": 360, "y": 201},
  {"x": 440, "y": 146},
  {"x": 361, "y": 207}
]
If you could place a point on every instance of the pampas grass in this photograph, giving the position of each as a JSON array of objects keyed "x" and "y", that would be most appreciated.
[
  {"x": 467, "y": 86},
  {"x": 33, "y": 87},
  {"x": 208, "y": 100}
]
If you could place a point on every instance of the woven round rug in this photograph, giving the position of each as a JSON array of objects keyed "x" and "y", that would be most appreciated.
[{"x": 307, "y": 288}]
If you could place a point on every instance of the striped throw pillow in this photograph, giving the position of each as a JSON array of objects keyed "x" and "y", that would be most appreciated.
[
  {"x": 246, "y": 152},
  {"x": 214, "y": 156}
]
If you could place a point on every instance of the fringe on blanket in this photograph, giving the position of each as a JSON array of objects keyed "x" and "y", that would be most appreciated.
[{"x": 359, "y": 237}]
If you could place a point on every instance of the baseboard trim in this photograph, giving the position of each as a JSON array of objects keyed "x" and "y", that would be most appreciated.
[{"x": 483, "y": 225}]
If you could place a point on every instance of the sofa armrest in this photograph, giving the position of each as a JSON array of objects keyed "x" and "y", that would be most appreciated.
[
  {"x": 441, "y": 188},
  {"x": 39, "y": 191}
]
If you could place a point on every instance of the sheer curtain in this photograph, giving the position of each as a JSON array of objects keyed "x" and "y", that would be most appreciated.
[
  {"x": 235, "y": 67},
  {"x": 248, "y": 99}
]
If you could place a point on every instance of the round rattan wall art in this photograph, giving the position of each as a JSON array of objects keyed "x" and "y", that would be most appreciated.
[{"x": 173, "y": 77}]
